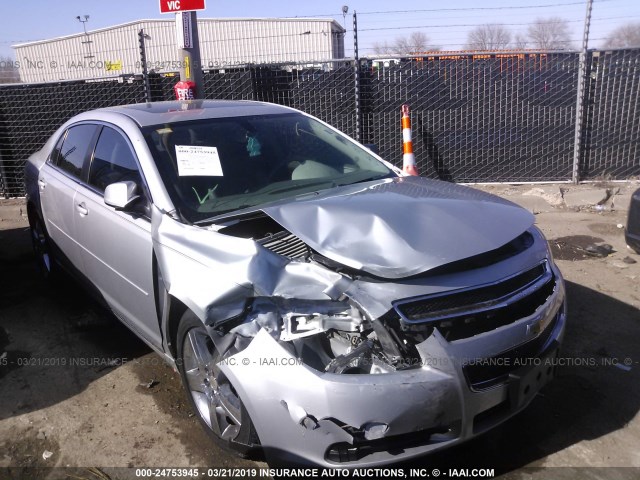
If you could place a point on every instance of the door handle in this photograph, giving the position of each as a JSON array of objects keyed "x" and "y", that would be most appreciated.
[
  {"x": 82, "y": 209},
  {"x": 41, "y": 184}
]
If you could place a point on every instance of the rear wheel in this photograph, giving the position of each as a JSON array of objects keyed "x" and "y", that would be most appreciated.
[{"x": 211, "y": 394}]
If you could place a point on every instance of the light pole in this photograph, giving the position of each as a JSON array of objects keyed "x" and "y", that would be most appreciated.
[{"x": 83, "y": 20}]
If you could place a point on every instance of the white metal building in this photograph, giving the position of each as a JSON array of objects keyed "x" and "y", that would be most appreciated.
[{"x": 224, "y": 43}]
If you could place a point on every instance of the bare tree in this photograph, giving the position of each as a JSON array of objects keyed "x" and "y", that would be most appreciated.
[
  {"x": 520, "y": 42},
  {"x": 491, "y": 36},
  {"x": 416, "y": 42},
  {"x": 550, "y": 34},
  {"x": 624, "y": 36},
  {"x": 382, "y": 48},
  {"x": 9, "y": 70}
]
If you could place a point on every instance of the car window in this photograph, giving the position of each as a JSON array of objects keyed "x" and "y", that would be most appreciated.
[
  {"x": 113, "y": 161},
  {"x": 55, "y": 153},
  {"x": 74, "y": 149}
]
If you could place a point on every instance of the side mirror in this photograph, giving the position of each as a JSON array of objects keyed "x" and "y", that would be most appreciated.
[{"x": 121, "y": 194}]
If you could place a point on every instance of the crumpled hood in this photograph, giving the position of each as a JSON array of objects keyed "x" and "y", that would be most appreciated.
[{"x": 401, "y": 227}]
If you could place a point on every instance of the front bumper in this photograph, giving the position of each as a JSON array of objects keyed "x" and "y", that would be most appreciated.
[{"x": 305, "y": 416}]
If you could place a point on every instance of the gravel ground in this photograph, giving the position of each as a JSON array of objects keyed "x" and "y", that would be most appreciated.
[{"x": 77, "y": 384}]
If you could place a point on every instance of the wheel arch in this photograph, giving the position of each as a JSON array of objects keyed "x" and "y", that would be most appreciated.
[{"x": 176, "y": 310}]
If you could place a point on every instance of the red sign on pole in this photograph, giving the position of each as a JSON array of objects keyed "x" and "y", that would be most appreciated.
[{"x": 173, "y": 6}]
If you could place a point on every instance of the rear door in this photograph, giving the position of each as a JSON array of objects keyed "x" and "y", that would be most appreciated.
[
  {"x": 58, "y": 181},
  {"x": 116, "y": 245}
]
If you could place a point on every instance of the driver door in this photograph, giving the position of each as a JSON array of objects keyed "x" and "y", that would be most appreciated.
[{"x": 117, "y": 246}]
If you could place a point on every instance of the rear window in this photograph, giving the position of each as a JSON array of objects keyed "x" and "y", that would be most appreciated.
[{"x": 75, "y": 149}]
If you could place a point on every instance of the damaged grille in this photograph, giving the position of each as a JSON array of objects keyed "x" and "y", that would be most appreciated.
[
  {"x": 285, "y": 244},
  {"x": 463, "y": 314}
]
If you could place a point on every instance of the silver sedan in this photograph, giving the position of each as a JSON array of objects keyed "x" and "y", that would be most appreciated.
[{"x": 317, "y": 303}]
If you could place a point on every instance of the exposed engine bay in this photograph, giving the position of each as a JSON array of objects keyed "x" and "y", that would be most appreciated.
[{"x": 328, "y": 337}]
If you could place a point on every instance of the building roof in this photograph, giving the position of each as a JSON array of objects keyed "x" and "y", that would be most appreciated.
[{"x": 336, "y": 25}]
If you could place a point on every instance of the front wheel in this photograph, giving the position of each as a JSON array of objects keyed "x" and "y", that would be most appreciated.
[{"x": 211, "y": 395}]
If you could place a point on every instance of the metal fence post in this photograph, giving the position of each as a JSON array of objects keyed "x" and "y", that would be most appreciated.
[
  {"x": 356, "y": 78},
  {"x": 4, "y": 191},
  {"x": 580, "y": 94},
  {"x": 143, "y": 60}
]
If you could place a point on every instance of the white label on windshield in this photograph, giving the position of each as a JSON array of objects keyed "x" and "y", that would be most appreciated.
[{"x": 198, "y": 161}]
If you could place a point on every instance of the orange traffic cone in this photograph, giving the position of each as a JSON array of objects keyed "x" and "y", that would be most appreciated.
[{"x": 408, "y": 159}]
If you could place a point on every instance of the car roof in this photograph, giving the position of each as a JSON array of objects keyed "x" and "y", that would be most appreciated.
[{"x": 155, "y": 113}]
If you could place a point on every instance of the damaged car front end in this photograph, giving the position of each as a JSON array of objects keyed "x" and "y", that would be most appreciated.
[
  {"x": 355, "y": 336},
  {"x": 317, "y": 303}
]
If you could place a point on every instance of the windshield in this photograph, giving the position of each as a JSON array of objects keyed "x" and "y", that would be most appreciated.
[{"x": 214, "y": 166}]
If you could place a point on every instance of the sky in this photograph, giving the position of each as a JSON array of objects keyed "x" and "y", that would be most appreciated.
[{"x": 446, "y": 24}]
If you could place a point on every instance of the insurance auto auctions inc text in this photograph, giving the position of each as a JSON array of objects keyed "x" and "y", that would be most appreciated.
[{"x": 378, "y": 472}]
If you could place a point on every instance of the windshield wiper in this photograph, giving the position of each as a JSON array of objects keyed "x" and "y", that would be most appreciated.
[
  {"x": 297, "y": 187},
  {"x": 223, "y": 212},
  {"x": 368, "y": 179}
]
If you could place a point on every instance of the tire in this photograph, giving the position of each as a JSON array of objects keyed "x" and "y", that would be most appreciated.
[
  {"x": 42, "y": 250},
  {"x": 211, "y": 395}
]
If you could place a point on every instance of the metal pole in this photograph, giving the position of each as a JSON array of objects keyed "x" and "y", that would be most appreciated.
[
  {"x": 145, "y": 70},
  {"x": 190, "y": 62},
  {"x": 87, "y": 40},
  {"x": 356, "y": 77},
  {"x": 4, "y": 190},
  {"x": 580, "y": 104}
]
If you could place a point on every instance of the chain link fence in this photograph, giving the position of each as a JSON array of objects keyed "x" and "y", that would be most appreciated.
[
  {"x": 611, "y": 131},
  {"x": 479, "y": 118},
  {"x": 507, "y": 117},
  {"x": 30, "y": 114}
]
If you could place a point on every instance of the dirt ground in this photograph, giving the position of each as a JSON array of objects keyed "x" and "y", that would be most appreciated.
[{"x": 77, "y": 384}]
